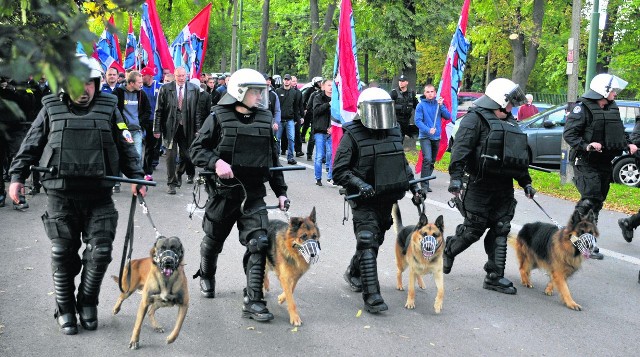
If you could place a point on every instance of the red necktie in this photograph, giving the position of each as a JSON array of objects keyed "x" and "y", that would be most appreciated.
[{"x": 180, "y": 98}]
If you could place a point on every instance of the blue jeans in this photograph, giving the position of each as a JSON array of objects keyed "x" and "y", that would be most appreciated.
[
  {"x": 323, "y": 150},
  {"x": 290, "y": 125},
  {"x": 137, "y": 142},
  {"x": 429, "y": 150}
]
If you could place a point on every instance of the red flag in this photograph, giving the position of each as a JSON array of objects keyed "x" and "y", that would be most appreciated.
[
  {"x": 452, "y": 75},
  {"x": 116, "y": 41},
  {"x": 345, "y": 91},
  {"x": 451, "y": 80},
  {"x": 153, "y": 41},
  {"x": 190, "y": 46}
]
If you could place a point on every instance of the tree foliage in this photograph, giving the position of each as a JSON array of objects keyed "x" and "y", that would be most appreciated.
[{"x": 393, "y": 36}]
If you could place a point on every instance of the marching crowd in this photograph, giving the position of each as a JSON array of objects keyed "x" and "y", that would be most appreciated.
[{"x": 226, "y": 124}]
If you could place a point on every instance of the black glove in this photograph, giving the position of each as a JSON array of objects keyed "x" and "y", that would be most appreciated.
[
  {"x": 364, "y": 188},
  {"x": 529, "y": 191},
  {"x": 455, "y": 186},
  {"x": 418, "y": 195}
]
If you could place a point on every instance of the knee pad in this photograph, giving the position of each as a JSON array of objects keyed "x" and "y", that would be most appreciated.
[
  {"x": 258, "y": 244},
  {"x": 98, "y": 252},
  {"x": 366, "y": 240},
  {"x": 502, "y": 229},
  {"x": 209, "y": 246},
  {"x": 63, "y": 257}
]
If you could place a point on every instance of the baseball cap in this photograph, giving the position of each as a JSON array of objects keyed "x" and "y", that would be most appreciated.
[
  {"x": 287, "y": 76},
  {"x": 403, "y": 78},
  {"x": 147, "y": 71}
]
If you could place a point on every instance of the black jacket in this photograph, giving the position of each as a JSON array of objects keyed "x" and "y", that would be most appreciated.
[
  {"x": 166, "y": 121},
  {"x": 404, "y": 103},
  {"x": 36, "y": 139},
  {"x": 321, "y": 113},
  {"x": 290, "y": 103},
  {"x": 468, "y": 142}
]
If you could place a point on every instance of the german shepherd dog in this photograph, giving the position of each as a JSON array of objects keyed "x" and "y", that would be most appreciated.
[
  {"x": 558, "y": 251},
  {"x": 293, "y": 247},
  {"x": 163, "y": 283},
  {"x": 420, "y": 248}
]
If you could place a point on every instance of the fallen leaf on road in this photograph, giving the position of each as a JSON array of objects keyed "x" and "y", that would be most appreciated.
[
  {"x": 367, "y": 326},
  {"x": 359, "y": 313},
  {"x": 295, "y": 329},
  {"x": 431, "y": 343},
  {"x": 28, "y": 268},
  {"x": 50, "y": 293},
  {"x": 251, "y": 328}
]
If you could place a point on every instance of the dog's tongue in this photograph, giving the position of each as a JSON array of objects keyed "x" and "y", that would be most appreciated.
[{"x": 167, "y": 272}]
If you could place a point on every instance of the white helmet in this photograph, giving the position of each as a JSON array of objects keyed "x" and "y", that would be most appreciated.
[
  {"x": 499, "y": 93},
  {"x": 240, "y": 83},
  {"x": 95, "y": 69},
  {"x": 316, "y": 80},
  {"x": 375, "y": 109},
  {"x": 603, "y": 84}
]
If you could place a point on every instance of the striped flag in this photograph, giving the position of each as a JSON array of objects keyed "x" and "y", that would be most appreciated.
[
  {"x": 190, "y": 46},
  {"x": 106, "y": 60},
  {"x": 109, "y": 43},
  {"x": 452, "y": 75},
  {"x": 154, "y": 43},
  {"x": 346, "y": 78},
  {"x": 131, "y": 58}
]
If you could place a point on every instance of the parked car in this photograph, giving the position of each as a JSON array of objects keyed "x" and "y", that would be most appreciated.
[
  {"x": 544, "y": 134},
  {"x": 542, "y": 107},
  {"x": 465, "y": 101}
]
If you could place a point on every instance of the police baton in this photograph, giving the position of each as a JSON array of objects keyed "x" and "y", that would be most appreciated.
[
  {"x": 272, "y": 169},
  {"x": 412, "y": 182},
  {"x": 496, "y": 158},
  {"x": 52, "y": 170}
]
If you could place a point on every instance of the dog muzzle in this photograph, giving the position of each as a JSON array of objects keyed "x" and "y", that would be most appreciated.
[
  {"x": 585, "y": 243},
  {"x": 429, "y": 245},
  {"x": 310, "y": 250},
  {"x": 167, "y": 261}
]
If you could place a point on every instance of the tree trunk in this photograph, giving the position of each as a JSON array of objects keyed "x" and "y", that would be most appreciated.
[
  {"x": 525, "y": 55},
  {"x": 318, "y": 55},
  {"x": 264, "y": 36},
  {"x": 605, "y": 48},
  {"x": 409, "y": 70}
]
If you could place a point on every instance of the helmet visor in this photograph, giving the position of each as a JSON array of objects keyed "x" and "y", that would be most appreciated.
[
  {"x": 516, "y": 97},
  {"x": 377, "y": 114},
  {"x": 616, "y": 84},
  {"x": 256, "y": 97}
]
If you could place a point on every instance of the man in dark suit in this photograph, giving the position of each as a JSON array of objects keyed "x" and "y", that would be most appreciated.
[{"x": 175, "y": 119}]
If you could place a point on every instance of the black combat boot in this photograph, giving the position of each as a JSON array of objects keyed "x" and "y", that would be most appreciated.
[
  {"x": 65, "y": 314},
  {"x": 373, "y": 301},
  {"x": 88, "y": 292},
  {"x": 352, "y": 275},
  {"x": 447, "y": 256},
  {"x": 207, "y": 274},
  {"x": 3, "y": 197},
  {"x": 627, "y": 231},
  {"x": 254, "y": 305},
  {"x": 495, "y": 279}
]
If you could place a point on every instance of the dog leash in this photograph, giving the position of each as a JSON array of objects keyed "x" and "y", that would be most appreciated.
[
  {"x": 128, "y": 247},
  {"x": 545, "y": 212}
]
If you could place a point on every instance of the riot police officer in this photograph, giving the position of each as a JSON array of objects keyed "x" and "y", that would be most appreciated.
[
  {"x": 237, "y": 142},
  {"x": 82, "y": 139},
  {"x": 595, "y": 133},
  {"x": 492, "y": 150},
  {"x": 370, "y": 161}
]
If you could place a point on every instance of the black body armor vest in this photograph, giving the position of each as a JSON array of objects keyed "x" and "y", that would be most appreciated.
[
  {"x": 242, "y": 145},
  {"x": 504, "y": 151},
  {"x": 381, "y": 160},
  {"x": 80, "y": 148},
  {"x": 606, "y": 127}
]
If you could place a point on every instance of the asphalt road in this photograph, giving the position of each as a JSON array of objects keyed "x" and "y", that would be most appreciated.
[{"x": 474, "y": 321}]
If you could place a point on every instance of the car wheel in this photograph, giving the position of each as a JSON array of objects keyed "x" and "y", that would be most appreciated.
[{"x": 625, "y": 171}]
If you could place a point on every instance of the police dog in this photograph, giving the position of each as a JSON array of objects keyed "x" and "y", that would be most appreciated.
[
  {"x": 293, "y": 247},
  {"x": 420, "y": 248},
  {"x": 163, "y": 283},
  {"x": 558, "y": 251}
]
